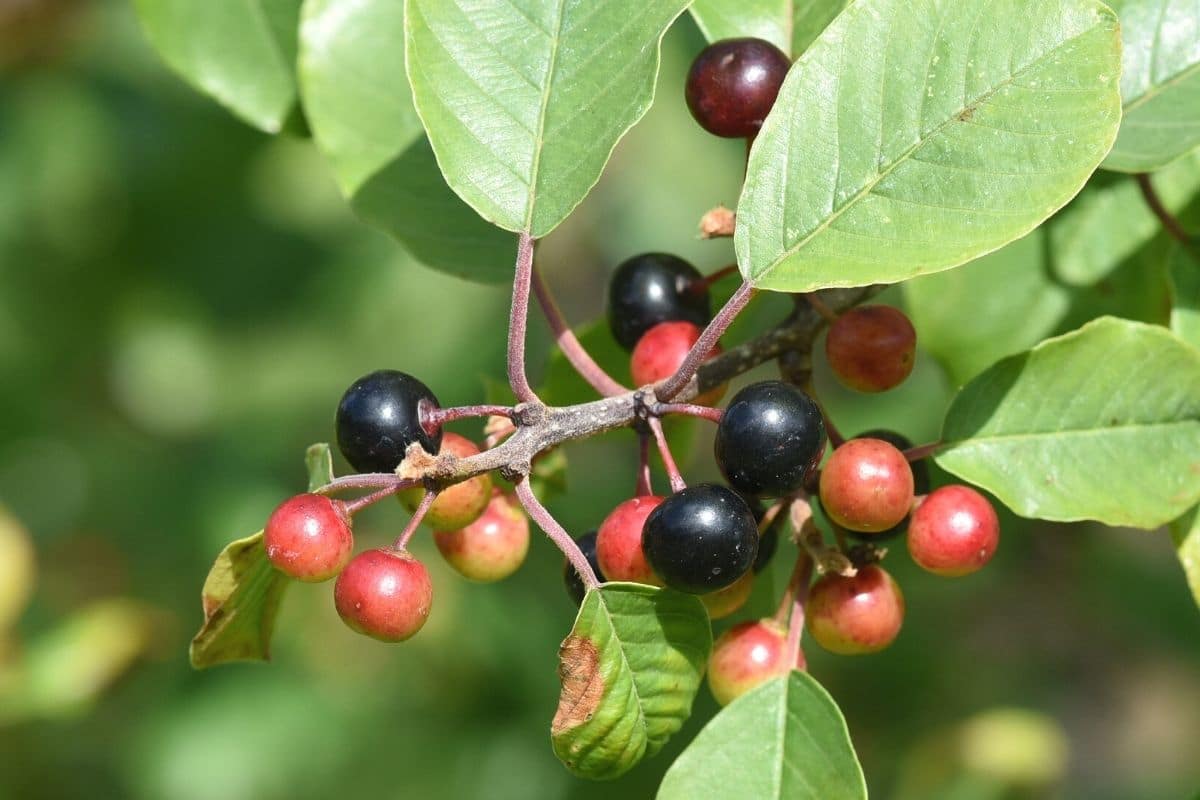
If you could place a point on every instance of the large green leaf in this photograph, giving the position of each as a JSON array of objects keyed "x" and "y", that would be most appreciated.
[
  {"x": 998, "y": 305},
  {"x": 915, "y": 135},
  {"x": 630, "y": 669},
  {"x": 791, "y": 25},
  {"x": 360, "y": 108},
  {"x": 1109, "y": 221},
  {"x": 241, "y": 52},
  {"x": 524, "y": 100},
  {"x": 786, "y": 740},
  {"x": 1183, "y": 275},
  {"x": 1102, "y": 423},
  {"x": 1186, "y": 533},
  {"x": 1160, "y": 83}
]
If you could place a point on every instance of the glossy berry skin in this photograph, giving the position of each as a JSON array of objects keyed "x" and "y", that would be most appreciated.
[
  {"x": 700, "y": 539},
  {"x": 308, "y": 538},
  {"x": 855, "y": 615},
  {"x": 723, "y": 602},
  {"x": 920, "y": 469},
  {"x": 662, "y": 350},
  {"x": 651, "y": 288},
  {"x": 380, "y": 416},
  {"x": 770, "y": 438},
  {"x": 575, "y": 588},
  {"x": 954, "y": 531},
  {"x": 746, "y": 656},
  {"x": 732, "y": 85},
  {"x": 459, "y": 505},
  {"x": 384, "y": 594},
  {"x": 492, "y": 547},
  {"x": 619, "y": 542},
  {"x": 867, "y": 486},
  {"x": 871, "y": 348}
]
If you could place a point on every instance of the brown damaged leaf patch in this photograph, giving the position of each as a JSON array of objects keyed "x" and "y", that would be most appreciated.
[{"x": 582, "y": 684}]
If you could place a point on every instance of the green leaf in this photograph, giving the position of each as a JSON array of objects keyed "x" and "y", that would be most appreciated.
[
  {"x": 998, "y": 305},
  {"x": 1108, "y": 222},
  {"x": 1186, "y": 533},
  {"x": 1183, "y": 277},
  {"x": 240, "y": 598},
  {"x": 525, "y": 100},
  {"x": 240, "y": 52},
  {"x": 1160, "y": 83},
  {"x": 916, "y": 135},
  {"x": 1102, "y": 423},
  {"x": 629, "y": 669},
  {"x": 791, "y": 25},
  {"x": 786, "y": 740},
  {"x": 360, "y": 107},
  {"x": 318, "y": 460}
]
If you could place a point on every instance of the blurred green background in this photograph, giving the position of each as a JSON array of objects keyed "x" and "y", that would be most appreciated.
[{"x": 182, "y": 301}]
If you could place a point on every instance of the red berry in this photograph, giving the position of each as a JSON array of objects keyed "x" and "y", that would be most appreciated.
[
  {"x": 660, "y": 352},
  {"x": 493, "y": 546},
  {"x": 723, "y": 602},
  {"x": 746, "y": 656},
  {"x": 384, "y": 594},
  {"x": 857, "y": 614},
  {"x": 308, "y": 537},
  {"x": 732, "y": 85},
  {"x": 954, "y": 531},
  {"x": 619, "y": 542},
  {"x": 871, "y": 348},
  {"x": 460, "y": 504},
  {"x": 867, "y": 486}
]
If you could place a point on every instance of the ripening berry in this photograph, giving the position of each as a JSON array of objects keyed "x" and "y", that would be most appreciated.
[
  {"x": 954, "y": 531},
  {"x": 575, "y": 588},
  {"x": 651, "y": 288},
  {"x": 746, "y": 656},
  {"x": 770, "y": 438},
  {"x": 732, "y": 85},
  {"x": 867, "y": 486},
  {"x": 490, "y": 548},
  {"x": 662, "y": 350},
  {"x": 619, "y": 542},
  {"x": 380, "y": 415},
  {"x": 460, "y": 504},
  {"x": 920, "y": 469},
  {"x": 723, "y": 602},
  {"x": 871, "y": 348},
  {"x": 700, "y": 539},
  {"x": 308, "y": 537},
  {"x": 857, "y": 614},
  {"x": 384, "y": 594}
]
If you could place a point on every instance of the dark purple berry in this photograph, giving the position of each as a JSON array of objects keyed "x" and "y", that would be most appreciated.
[
  {"x": 380, "y": 416},
  {"x": 769, "y": 439},
  {"x": 701, "y": 539},
  {"x": 733, "y": 84},
  {"x": 651, "y": 288}
]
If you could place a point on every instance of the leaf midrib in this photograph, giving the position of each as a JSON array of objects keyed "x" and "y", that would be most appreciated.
[
  {"x": 541, "y": 122},
  {"x": 903, "y": 157},
  {"x": 1158, "y": 88}
]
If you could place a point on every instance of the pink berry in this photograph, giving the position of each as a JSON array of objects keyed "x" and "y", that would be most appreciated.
[
  {"x": 954, "y": 531},
  {"x": 308, "y": 537},
  {"x": 867, "y": 486},
  {"x": 384, "y": 594},
  {"x": 619, "y": 542},
  {"x": 490, "y": 548},
  {"x": 460, "y": 504},
  {"x": 661, "y": 351},
  {"x": 746, "y": 656},
  {"x": 856, "y": 614}
]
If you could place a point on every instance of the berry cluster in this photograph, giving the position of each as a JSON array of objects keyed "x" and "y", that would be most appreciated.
[{"x": 708, "y": 539}]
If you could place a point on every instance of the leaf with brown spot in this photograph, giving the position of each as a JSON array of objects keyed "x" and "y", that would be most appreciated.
[{"x": 630, "y": 670}]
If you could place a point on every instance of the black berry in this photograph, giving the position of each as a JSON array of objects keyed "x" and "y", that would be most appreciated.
[
  {"x": 587, "y": 543},
  {"x": 652, "y": 288},
  {"x": 380, "y": 416},
  {"x": 770, "y": 438},
  {"x": 701, "y": 539},
  {"x": 733, "y": 84}
]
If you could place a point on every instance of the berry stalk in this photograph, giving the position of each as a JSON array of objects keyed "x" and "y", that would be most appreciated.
[
  {"x": 550, "y": 526},
  {"x": 687, "y": 409},
  {"x": 664, "y": 452},
  {"x": 415, "y": 522},
  {"x": 795, "y": 597}
]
